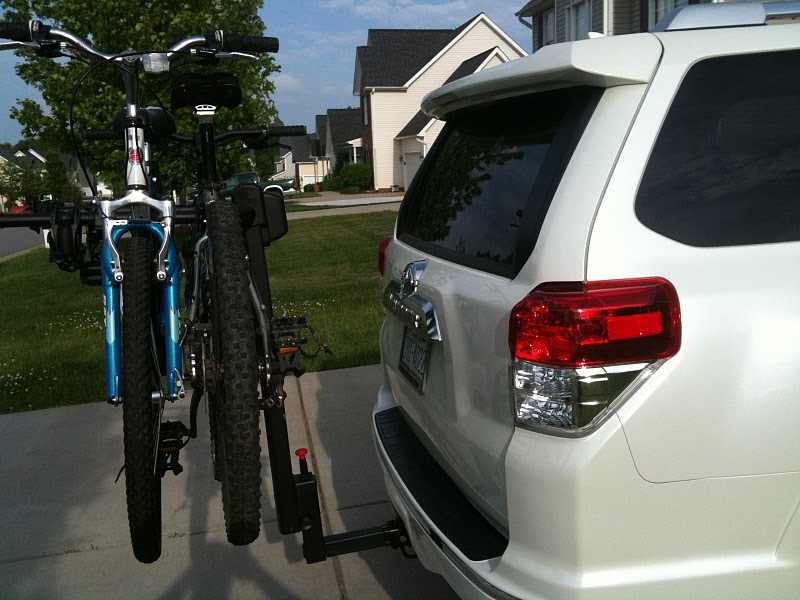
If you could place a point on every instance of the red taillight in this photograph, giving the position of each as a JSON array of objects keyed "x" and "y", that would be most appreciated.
[
  {"x": 597, "y": 323},
  {"x": 382, "y": 253}
]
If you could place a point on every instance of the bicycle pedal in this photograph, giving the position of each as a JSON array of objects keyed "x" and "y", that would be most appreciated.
[{"x": 173, "y": 437}]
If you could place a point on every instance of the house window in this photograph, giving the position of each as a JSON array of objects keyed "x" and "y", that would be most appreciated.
[
  {"x": 365, "y": 109},
  {"x": 579, "y": 18},
  {"x": 548, "y": 27},
  {"x": 657, "y": 9}
]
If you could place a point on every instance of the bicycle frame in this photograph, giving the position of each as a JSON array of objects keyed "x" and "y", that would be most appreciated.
[{"x": 168, "y": 269}]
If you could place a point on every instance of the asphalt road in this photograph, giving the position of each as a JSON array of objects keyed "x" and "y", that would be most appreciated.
[{"x": 17, "y": 240}]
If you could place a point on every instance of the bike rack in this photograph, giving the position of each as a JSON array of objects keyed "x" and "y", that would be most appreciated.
[{"x": 297, "y": 502}]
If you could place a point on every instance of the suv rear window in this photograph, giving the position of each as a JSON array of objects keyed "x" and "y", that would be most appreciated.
[
  {"x": 483, "y": 191},
  {"x": 725, "y": 169}
]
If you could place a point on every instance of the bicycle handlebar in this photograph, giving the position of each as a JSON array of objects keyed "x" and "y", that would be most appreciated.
[
  {"x": 232, "y": 42},
  {"x": 244, "y": 134},
  {"x": 36, "y": 31}
]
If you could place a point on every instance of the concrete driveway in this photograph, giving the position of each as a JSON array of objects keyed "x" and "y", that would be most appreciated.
[{"x": 63, "y": 525}]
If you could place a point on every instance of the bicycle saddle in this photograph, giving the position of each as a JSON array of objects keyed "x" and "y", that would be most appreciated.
[
  {"x": 216, "y": 89},
  {"x": 158, "y": 122}
]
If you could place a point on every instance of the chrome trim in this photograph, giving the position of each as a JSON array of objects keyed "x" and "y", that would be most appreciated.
[
  {"x": 80, "y": 44},
  {"x": 195, "y": 40},
  {"x": 402, "y": 299}
]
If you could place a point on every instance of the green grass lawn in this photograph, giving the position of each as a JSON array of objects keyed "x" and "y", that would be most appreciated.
[
  {"x": 51, "y": 336},
  {"x": 298, "y": 208}
]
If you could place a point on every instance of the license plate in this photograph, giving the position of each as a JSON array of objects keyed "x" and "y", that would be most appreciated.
[{"x": 414, "y": 358}]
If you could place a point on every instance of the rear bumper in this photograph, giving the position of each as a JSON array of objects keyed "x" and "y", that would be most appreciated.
[{"x": 584, "y": 525}]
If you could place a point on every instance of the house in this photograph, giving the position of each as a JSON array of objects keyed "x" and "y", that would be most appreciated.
[
  {"x": 396, "y": 69},
  {"x": 554, "y": 21},
  {"x": 321, "y": 122},
  {"x": 343, "y": 130},
  {"x": 300, "y": 161}
]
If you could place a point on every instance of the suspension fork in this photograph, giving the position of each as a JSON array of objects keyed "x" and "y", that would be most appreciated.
[{"x": 169, "y": 317}]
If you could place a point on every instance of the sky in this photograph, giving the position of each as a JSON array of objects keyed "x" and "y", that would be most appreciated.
[{"x": 318, "y": 42}]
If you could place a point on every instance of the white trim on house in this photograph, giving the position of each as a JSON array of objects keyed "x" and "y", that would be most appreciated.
[
  {"x": 36, "y": 155},
  {"x": 481, "y": 17},
  {"x": 497, "y": 52}
]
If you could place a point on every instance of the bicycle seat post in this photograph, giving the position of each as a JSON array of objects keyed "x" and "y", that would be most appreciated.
[{"x": 204, "y": 113}]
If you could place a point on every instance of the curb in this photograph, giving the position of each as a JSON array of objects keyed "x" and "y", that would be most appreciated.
[{"x": 14, "y": 255}]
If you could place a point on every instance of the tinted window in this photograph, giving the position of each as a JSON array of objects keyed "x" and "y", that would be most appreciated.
[
  {"x": 725, "y": 169},
  {"x": 483, "y": 191}
]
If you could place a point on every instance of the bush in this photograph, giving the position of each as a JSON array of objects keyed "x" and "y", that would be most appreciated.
[
  {"x": 350, "y": 179},
  {"x": 356, "y": 176},
  {"x": 310, "y": 187}
]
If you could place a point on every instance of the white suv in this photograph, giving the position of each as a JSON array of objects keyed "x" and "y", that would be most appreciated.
[{"x": 592, "y": 341}]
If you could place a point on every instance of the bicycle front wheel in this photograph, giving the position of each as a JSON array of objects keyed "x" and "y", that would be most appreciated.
[
  {"x": 141, "y": 416},
  {"x": 236, "y": 407}
]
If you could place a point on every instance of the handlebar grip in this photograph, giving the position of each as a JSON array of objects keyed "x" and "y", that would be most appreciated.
[
  {"x": 287, "y": 131},
  {"x": 17, "y": 31},
  {"x": 232, "y": 42}
]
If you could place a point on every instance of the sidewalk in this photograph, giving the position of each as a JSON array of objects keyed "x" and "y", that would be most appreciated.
[
  {"x": 64, "y": 527},
  {"x": 333, "y": 198},
  {"x": 348, "y": 210}
]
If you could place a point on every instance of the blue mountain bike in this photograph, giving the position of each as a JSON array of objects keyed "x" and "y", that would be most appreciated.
[{"x": 228, "y": 345}]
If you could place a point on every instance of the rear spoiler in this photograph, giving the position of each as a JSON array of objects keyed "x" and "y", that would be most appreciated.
[{"x": 601, "y": 62}]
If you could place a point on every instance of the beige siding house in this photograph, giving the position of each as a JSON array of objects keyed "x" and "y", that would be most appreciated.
[
  {"x": 397, "y": 68},
  {"x": 301, "y": 162}
]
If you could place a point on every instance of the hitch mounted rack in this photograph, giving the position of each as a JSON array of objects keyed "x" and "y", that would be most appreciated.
[{"x": 298, "y": 508}]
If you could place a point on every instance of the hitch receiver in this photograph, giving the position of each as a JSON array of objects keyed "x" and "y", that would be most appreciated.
[{"x": 297, "y": 503}]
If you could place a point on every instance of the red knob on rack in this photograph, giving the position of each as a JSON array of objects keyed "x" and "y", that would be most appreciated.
[{"x": 301, "y": 454}]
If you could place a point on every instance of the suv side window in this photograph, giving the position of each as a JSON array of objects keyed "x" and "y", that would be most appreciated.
[
  {"x": 725, "y": 169},
  {"x": 484, "y": 190}
]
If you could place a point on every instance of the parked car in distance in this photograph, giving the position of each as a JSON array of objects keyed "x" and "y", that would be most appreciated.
[
  {"x": 235, "y": 181},
  {"x": 593, "y": 301}
]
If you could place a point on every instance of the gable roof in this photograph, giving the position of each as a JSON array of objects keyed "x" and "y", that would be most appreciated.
[
  {"x": 393, "y": 56},
  {"x": 468, "y": 67},
  {"x": 300, "y": 146},
  {"x": 415, "y": 125},
  {"x": 345, "y": 124}
]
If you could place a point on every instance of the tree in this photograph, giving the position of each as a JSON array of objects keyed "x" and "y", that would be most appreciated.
[{"x": 116, "y": 26}]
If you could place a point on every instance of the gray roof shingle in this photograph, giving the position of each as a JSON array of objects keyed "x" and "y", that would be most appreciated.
[
  {"x": 393, "y": 56},
  {"x": 469, "y": 66},
  {"x": 346, "y": 124},
  {"x": 300, "y": 147},
  {"x": 415, "y": 125}
]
